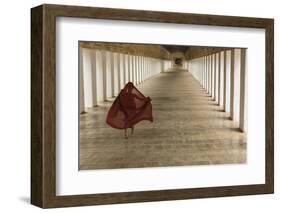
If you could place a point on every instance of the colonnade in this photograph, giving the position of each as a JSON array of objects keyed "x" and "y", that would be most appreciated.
[
  {"x": 104, "y": 73},
  {"x": 223, "y": 76}
]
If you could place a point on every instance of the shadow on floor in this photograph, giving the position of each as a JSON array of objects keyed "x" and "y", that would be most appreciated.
[
  {"x": 212, "y": 103},
  {"x": 235, "y": 130},
  {"x": 218, "y": 110}
]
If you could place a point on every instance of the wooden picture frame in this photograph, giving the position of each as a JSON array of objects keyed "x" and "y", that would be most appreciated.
[{"x": 43, "y": 105}]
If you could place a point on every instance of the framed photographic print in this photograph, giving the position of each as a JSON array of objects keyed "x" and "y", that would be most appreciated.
[{"x": 136, "y": 106}]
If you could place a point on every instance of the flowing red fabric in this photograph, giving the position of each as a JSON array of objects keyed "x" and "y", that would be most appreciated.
[{"x": 129, "y": 108}]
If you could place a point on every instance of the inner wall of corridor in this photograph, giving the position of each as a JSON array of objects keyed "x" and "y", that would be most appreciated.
[{"x": 222, "y": 74}]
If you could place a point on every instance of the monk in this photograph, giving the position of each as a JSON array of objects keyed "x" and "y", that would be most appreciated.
[{"x": 129, "y": 108}]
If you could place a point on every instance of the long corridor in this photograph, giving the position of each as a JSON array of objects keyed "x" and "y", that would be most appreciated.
[{"x": 189, "y": 128}]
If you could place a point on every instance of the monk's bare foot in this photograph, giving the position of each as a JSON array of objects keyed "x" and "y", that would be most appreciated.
[{"x": 132, "y": 130}]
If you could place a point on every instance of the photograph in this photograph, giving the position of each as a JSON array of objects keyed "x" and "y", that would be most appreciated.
[{"x": 161, "y": 105}]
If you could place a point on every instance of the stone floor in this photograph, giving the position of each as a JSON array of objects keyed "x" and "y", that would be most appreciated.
[{"x": 189, "y": 128}]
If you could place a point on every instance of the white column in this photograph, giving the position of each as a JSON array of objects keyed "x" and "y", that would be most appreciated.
[
  {"x": 94, "y": 77},
  {"x": 148, "y": 67},
  {"x": 145, "y": 67},
  {"x": 215, "y": 76},
  {"x": 142, "y": 68},
  {"x": 138, "y": 69},
  {"x": 129, "y": 68},
  {"x": 232, "y": 85},
  {"x": 203, "y": 72},
  {"x": 118, "y": 72},
  {"x": 81, "y": 81},
  {"x": 204, "y": 64},
  {"x": 104, "y": 75},
  {"x": 242, "y": 89},
  {"x": 206, "y": 71},
  {"x": 124, "y": 69},
  {"x": 224, "y": 80},
  {"x": 211, "y": 75},
  {"x": 151, "y": 67},
  {"x": 207, "y": 74},
  {"x": 219, "y": 78},
  {"x": 112, "y": 73},
  {"x": 199, "y": 76},
  {"x": 133, "y": 68}
]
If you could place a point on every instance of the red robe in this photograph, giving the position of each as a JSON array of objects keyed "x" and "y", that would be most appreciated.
[{"x": 129, "y": 108}]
